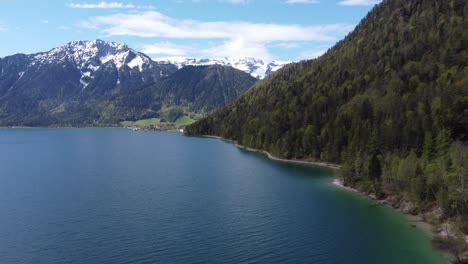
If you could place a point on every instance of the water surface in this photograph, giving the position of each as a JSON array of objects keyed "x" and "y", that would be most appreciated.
[{"x": 118, "y": 196}]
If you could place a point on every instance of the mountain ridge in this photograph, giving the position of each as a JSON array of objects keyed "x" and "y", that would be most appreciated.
[
  {"x": 86, "y": 61},
  {"x": 256, "y": 67}
]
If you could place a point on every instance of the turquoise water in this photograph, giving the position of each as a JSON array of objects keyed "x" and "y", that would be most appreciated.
[{"x": 117, "y": 196}]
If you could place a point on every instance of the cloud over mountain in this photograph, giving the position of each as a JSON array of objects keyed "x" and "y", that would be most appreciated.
[{"x": 248, "y": 37}]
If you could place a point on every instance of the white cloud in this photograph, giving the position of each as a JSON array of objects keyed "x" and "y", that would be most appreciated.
[
  {"x": 287, "y": 45},
  {"x": 235, "y": 1},
  {"x": 63, "y": 27},
  {"x": 45, "y": 21},
  {"x": 238, "y": 48},
  {"x": 238, "y": 38},
  {"x": 302, "y": 2},
  {"x": 155, "y": 24},
  {"x": 312, "y": 54},
  {"x": 107, "y": 5},
  {"x": 3, "y": 27},
  {"x": 359, "y": 2},
  {"x": 165, "y": 48}
]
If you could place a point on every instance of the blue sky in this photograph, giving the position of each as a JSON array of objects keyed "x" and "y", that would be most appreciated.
[{"x": 266, "y": 29}]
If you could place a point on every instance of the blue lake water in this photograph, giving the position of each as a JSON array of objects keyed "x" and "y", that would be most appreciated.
[{"x": 118, "y": 196}]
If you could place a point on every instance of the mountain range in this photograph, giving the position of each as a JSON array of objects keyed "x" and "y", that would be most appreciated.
[
  {"x": 256, "y": 67},
  {"x": 98, "y": 83}
]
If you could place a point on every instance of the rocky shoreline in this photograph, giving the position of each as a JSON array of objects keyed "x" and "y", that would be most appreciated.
[
  {"x": 440, "y": 236},
  {"x": 272, "y": 157}
]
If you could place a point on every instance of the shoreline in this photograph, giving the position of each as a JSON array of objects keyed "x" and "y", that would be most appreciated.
[
  {"x": 87, "y": 127},
  {"x": 272, "y": 157},
  {"x": 415, "y": 220},
  {"x": 56, "y": 127}
]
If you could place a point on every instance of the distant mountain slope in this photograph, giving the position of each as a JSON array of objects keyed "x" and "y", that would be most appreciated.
[
  {"x": 255, "y": 67},
  {"x": 195, "y": 90},
  {"x": 91, "y": 83},
  {"x": 389, "y": 102},
  {"x": 204, "y": 88}
]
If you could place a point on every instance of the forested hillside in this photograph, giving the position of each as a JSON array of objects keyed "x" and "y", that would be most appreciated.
[
  {"x": 62, "y": 92},
  {"x": 192, "y": 90},
  {"x": 388, "y": 103},
  {"x": 202, "y": 89}
]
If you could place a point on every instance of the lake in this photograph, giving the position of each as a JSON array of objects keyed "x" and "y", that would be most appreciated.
[{"x": 118, "y": 196}]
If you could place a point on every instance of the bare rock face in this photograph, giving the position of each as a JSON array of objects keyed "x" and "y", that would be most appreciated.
[
  {"x": 439, "y": 213},
  {"x": 407, "y": 207}
]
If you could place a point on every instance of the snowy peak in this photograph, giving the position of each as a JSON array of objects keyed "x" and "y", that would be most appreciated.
[
  {"x": 93, "y": 54},
  {"x": 256, "y": 67},
  {"x": 85, "y": 65}
]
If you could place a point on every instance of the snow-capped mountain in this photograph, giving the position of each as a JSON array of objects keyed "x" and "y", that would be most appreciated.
[
  {"x": 255, "y": 67},
  {"x": 97, "y": 82},
  {"x": 81, "y": 65}
]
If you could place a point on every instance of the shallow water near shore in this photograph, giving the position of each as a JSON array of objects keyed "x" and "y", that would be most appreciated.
[{"x": 118, "y": 196}]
